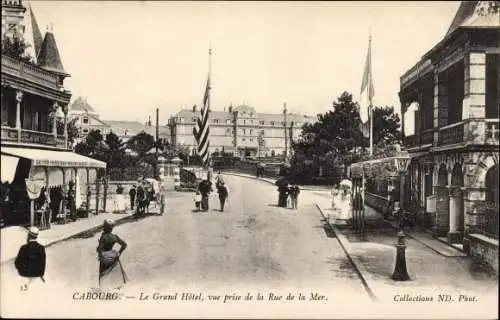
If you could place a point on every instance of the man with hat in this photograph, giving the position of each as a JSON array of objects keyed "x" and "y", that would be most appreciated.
[{"x": 30, "y": 261}]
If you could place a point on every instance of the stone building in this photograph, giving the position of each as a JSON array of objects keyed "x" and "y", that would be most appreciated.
[
  {"x": 34, "y": 115},
  {"x": 453, "y": 93},
  {"x": 241, "y": 131},
  {"x": 87, "y": 119}
]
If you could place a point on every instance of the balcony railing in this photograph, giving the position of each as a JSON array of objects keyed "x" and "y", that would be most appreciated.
[
  {"x": 30, "y": 72},
  {"x": 477, "y": 131},
  {"x": 451, "y": 134},
  {"x": 425, "y": 138},
  {"x": 32, "y": 137}
]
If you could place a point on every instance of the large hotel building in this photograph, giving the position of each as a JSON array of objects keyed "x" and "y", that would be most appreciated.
[{"x": 241, "y": 130}]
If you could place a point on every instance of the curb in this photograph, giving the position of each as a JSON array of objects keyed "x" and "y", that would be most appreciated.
[
  {"x": 74, "y": 235},
  {"x": 344, "y": 243}
]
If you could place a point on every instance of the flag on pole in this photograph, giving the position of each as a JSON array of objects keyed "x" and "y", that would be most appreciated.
[
  {"x": 367, "y": 92},
  {"x": 202, "y": 129}
]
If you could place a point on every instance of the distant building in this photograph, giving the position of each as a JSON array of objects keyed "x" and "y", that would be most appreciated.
[
  {"x": 240, "y": 131},
  {"x": 87, "y": 119}
]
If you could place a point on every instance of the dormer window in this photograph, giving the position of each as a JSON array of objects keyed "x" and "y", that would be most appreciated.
[{"x": 85, "y": 120}]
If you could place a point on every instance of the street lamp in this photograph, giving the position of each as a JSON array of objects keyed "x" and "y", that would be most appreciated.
[{"x": 402, "y": 161}]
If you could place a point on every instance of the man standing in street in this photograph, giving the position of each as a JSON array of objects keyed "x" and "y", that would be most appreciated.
[
  {"x": 132, "y": 197},
  {"x": 30, "y": 261},
  {"x": 205, "y": 188}
]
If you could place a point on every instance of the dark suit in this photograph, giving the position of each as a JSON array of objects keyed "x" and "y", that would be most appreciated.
[{"x": 30, "y": 261}]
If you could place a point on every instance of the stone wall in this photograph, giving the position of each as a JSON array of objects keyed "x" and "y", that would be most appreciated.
[{"x": 485, "y": 249}]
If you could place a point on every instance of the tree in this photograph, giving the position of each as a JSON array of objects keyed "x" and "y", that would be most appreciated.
[
  {"x": 15, "y": 47},
  {"x": 141, "y": 143},
  {"x": 93, "y": 145},
  {"x": 386, "y": 125},
  {"x": 336, "y": 137}
]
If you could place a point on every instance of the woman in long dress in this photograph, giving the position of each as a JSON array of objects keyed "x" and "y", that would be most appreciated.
[{"x": 111, "y": 274}]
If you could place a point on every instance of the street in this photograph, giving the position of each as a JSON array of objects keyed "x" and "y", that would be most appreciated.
[{"x": 252, "y": 245}]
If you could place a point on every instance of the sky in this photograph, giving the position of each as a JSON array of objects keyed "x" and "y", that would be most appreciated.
[{"x": 129, "y": 58}]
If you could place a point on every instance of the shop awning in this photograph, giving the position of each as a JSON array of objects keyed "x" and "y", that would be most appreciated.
[
  {"x": 51, "y": 158},
  {"x": 8, "y": 167}
]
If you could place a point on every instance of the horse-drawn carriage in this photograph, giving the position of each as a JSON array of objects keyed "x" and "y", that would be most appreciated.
[{"x": 151, "y": 195}]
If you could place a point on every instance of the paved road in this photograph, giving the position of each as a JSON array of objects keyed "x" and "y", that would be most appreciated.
[{"x": 252, "y": 245}]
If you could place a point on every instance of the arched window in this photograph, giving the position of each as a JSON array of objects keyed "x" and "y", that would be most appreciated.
[{"x": 491, "y": 184}]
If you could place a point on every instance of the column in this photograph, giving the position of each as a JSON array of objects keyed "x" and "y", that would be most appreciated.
[
  {"x": 55, "y": 106},
  {"x": 455, "y": 234},
  {"x": 19, "y": 99},
  {"x": 440, "y": 104},
  {"x": 65, "y": 110},
  {"x": 474, "y": 104}
]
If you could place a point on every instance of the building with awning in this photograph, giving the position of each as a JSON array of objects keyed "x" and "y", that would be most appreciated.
[
  {"x": 34, "y": 146},
  {"x": 452, "y": 97}
]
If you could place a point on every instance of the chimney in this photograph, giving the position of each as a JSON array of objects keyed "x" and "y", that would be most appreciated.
[{"x": 194, "y": 108}]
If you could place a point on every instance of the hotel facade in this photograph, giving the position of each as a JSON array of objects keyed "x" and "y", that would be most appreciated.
[{"x": 241, "y": 131}]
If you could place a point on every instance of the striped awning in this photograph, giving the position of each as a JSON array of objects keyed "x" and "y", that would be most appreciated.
[{"x": 51, "y": 158}]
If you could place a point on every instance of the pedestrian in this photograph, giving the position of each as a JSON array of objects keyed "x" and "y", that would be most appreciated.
[
  {"x": 223, "y": 192},
  {"x": 205, "y": 188},
  {"x": 31, "y": 259},
  {"x": 294, "y": 195},
  {"x": 111, "y": 273},
  {"x": 141, "y": 200},
  {"x": 163, "y": 198},
  {"x": 132, "y": 193},
  {"x": 71, "y": 204},
  {"x": 197, "y": 200}
]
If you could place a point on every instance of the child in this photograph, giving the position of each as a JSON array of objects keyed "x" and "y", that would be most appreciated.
[
  {"x": 294, "y": 194},
  {"x": 197, "y": 200}
]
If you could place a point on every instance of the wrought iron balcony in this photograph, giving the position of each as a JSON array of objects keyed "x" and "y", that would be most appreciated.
[
  {"x": 419, "y": 140},
  {"x": 474, "y": 131},
  {"x": 31, "y": 137}
]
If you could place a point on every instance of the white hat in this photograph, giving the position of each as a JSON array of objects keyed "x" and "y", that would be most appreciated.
[
  {"x": 33, "y": 231},
  {"x": 109, "y": 222}
]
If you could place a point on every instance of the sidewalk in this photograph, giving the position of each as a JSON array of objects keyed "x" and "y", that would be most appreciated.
[
  {"x": 430, "y": 263},
  {"x": 13, "y": 237}
]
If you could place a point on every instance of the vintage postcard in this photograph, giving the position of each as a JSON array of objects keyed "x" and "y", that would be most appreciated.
[{"x": 199, "y": 159}]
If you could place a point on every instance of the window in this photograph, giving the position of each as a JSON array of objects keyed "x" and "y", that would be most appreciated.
[
  {"x": 85, "y": 130},
  {"x": 243, "y": 139},
  {"x": 251, "y": 131},
  {"x": 272, "y": 123},
  {"x": 262, "y": 132},
  {"x": 228, "y": 121},
  {"x": 251, "y": 139},
  {"x": 85, "y": 120},
  {"x": 194, "y": 119},
  {"x": 216, "y": 121},
  {"x": 261, "y": 123},
  {"x": 244, "y": 131},
  {"x": 244, "y": 122}
]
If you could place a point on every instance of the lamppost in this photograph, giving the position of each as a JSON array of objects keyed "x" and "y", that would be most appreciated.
[{"x": 402, "y": 160}]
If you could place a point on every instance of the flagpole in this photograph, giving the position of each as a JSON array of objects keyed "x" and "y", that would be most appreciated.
[
  {"x": 370, "y": 107},
  {"x": 209, "y": 162}
]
